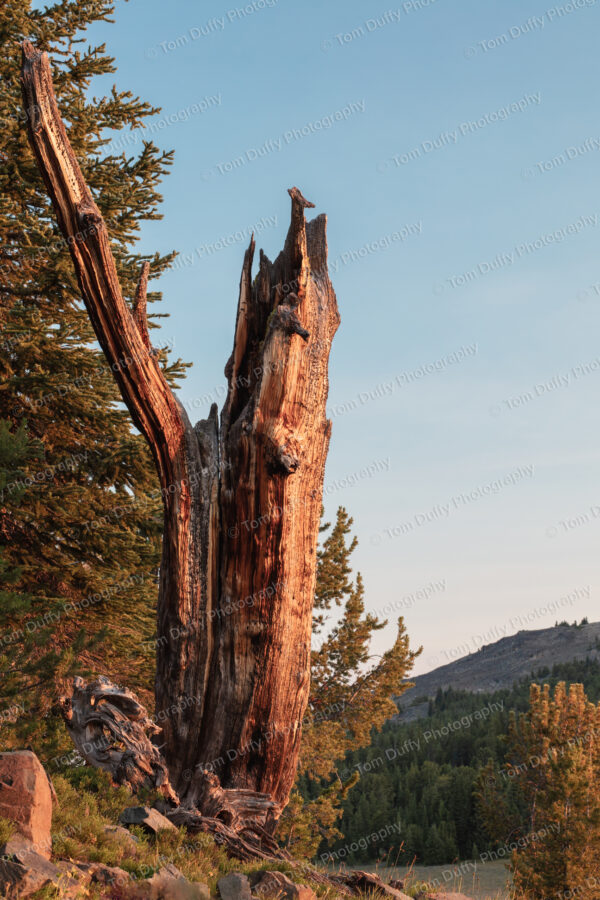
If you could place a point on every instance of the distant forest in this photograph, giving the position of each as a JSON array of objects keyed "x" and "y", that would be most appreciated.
[{"x": 422, "y": 775}]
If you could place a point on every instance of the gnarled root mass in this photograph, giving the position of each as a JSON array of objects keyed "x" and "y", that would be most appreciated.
[{"x": 112, "y": 731}]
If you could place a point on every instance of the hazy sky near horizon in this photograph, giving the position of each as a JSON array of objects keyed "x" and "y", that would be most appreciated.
[{"x": 455, "y": 148}]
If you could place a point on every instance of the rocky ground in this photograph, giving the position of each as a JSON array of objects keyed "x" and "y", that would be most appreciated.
[{"x": 62, "y": 844}]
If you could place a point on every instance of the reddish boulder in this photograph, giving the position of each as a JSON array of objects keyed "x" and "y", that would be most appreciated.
[{"x": 26, "y": 798}]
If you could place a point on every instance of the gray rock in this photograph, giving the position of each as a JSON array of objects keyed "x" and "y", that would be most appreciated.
[
  {"x": 25, "y": 872},
  {"x": 369, "y": 882},
  {"x": 73, "y": 882},
  {"x": 17, "y": 845},
  {"x": 122, "y": 836},
  {"x": 101, "y": 874},
  {"x": 451, "y": 896},
  {"x": 172, "y": 870},
  {"x": 169, "y": 884},
  {"x": 149, "y": 819},
  {"x": 277, "y": 885},
  {"x": 234, "y": 886}
]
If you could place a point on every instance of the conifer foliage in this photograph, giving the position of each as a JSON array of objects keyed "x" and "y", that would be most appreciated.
[
  {"x": 84, "y": 535},
  {"x": 351, "y": 691},
  {"x": 553, "y": 761}
]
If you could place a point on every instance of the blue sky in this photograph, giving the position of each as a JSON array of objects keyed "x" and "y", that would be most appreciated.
[{"x": 455, "y": 149}]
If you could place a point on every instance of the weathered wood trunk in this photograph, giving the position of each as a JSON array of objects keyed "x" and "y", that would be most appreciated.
[{"x": 242, "y": 497}]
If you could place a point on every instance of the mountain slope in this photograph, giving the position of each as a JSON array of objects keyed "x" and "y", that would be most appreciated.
[{"x": 501, "y": 664}]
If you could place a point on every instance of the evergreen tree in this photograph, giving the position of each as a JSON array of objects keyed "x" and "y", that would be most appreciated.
[
  {"x": 351, "y": 694},
  {"x": 85, "y": 537},
  {"x": 17, "y": 451},
  {"x": 452, "y": 778},
  {"x": 553, "y": 759},
  {"x": 24, "y": 653}
]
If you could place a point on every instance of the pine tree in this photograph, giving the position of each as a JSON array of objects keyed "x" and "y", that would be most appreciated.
[
  {"x": 24, "y": 653},
  {"x": 434, "y": 847},
  {"x": 553, "y": 760},
  {"x": 85, "y": 536},
  {"x": 17, "y": 451},
  {"x": 350, "y": 693}
]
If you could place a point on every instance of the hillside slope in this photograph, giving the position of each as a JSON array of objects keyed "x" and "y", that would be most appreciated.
[{"x": 501, "y": 664}]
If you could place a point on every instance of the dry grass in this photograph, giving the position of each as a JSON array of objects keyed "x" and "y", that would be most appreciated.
[
  {"x": 481, "y": 881},
  {"x": 88, "y": 803}
]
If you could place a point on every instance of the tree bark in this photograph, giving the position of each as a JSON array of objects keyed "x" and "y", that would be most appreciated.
[{"x": 242, "y": 497}]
